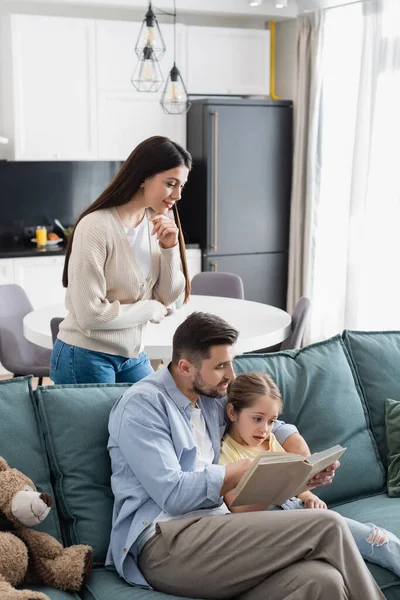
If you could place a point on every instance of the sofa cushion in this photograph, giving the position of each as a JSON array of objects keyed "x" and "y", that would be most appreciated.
[
  {"x": 22, "y": 443},
  {"x": 75, "y": 423},
  {"x": 385, "y": 512},
  {"x": 393, "y": 446},
  {"x": 322, "y": 398},
  {"x": 107, "y": 585},
  {"x": 376, "y": 356},
  {"x": 52, "y": 593}
]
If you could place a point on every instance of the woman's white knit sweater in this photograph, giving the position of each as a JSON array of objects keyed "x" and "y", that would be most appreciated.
[{"x": 108, "y": 299}]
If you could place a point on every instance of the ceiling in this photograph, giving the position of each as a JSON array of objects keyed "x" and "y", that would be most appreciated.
[{"x": 232, "y": 8}]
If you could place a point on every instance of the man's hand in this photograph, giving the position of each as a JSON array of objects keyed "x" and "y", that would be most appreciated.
[
  {"x": 233, "y": 474},
  {"x": 312, "y": 501},
  {"x": 325, "y": 477}
]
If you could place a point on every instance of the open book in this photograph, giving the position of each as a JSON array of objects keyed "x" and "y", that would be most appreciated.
[{"x": 274, "y": 477}]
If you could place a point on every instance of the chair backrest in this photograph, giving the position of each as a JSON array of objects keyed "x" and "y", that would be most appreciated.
[
  {"x": 299, "y": 319},
  {"x": 14, "y": 303},
  {"x": 210, "y": 283},
  {"x": 17, "y": 354},
  {"x": 54, "y": 326}
]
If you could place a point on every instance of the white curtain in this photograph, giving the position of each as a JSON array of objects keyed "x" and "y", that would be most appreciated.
[
  {"x": 305, "y": 169},
  {"x": 354, "y": 280}
]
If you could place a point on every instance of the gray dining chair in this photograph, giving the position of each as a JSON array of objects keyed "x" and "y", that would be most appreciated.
[
  {"x": 54, "y": 326},
  {"x": 299, "y": 320},
  {"x": 17, "y": 354},
  {"x": 211, "y": 283}
]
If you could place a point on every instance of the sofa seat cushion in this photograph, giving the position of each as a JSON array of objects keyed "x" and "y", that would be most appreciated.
[
  {"x": 321, "y": 396},
  {"x": 52, "y": 593},
  {"x": 385, "y": 512},
  {"x": 107, "y": 585},
  {"x": 22, "y": 442},
  {"x": 376, "y": 356},
  {"x": 75, "y": 423}
]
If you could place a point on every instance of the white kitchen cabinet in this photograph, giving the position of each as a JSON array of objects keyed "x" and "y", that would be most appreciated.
[
  {"x": 223, "y": 60},
  {"x": 41, "y": 279},
  {"x": 51, "y": 77},
  {"x": 6, "y": 271},
  {"x": 126, "y": 119}
]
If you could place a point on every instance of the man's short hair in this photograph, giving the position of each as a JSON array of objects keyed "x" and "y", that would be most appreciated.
[{"x": 197, "y": 334}]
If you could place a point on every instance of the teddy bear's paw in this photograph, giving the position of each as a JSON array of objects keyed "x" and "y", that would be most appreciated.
[
  {"x": 67, "y": 571},
  {"x": 7, "y": 592}
]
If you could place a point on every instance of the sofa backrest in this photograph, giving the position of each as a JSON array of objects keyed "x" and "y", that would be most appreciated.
[
  {"x": 376, "y": 356},
  {"x": 22, "y": 442},
  {"x": 75, "y": 425},
  {"x": 322, "y": 397}
]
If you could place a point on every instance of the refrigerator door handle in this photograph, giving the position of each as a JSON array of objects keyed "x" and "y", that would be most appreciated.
[
  {"x": 214, "y": 246},
  {"x": 214, "y": 266}
]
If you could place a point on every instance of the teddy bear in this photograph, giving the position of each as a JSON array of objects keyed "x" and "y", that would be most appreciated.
[{"x": 28, "y": 556}]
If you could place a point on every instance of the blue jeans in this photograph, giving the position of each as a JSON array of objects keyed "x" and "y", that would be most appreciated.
[
  {"x": 376, "y": 545},
  {"x": 71, "y": 364}
]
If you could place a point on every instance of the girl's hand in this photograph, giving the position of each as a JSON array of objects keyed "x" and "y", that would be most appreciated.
[
  {"x": 165, "y": 229},
  {"x": 312, "y": 501}
]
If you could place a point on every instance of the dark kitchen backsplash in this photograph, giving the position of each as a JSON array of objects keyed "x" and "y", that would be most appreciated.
[{"x": 36, "y": 193}]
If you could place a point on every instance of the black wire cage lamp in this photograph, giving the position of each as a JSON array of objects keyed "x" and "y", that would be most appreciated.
[
  {"x": 147, "y": 76},
  {"x": 150, "y": 36},
  {"x": 174, "y": 99}
]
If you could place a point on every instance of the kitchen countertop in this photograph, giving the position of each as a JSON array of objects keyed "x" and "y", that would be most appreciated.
[
  {"x": 24, "y": 251},
  {"x": 27, "y": 251}
]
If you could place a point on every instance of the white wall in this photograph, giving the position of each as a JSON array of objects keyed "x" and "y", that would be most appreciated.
[{"x": 285, "y": 59}]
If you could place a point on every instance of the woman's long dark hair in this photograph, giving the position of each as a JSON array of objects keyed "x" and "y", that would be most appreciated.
[{"x": 150, "y": 157}]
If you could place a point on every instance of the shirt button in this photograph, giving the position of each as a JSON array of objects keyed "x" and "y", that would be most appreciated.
[
  {"x": 181, "y": 408},
  {"x": 192, "y": 426},
  {"x": 144, "y": 522},
  {"x": 125, "y": 549}
]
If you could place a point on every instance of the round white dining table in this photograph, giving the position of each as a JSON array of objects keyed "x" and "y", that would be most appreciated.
[{"x": 259, "y": 325}]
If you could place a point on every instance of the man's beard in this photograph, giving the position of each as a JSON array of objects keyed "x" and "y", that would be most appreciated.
[{"x": 202, "y": 388}]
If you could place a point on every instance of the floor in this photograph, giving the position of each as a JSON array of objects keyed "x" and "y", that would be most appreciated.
[{"x": 46, "y": 380}]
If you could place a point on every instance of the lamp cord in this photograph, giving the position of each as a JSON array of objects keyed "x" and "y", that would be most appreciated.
[{"x": 174, "y": 32}]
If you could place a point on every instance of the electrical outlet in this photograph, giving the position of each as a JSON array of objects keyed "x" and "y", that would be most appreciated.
[{"x": 30, "y": 231}]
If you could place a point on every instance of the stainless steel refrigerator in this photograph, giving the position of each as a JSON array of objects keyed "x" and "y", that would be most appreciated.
[{"x": 236, "y": 203}]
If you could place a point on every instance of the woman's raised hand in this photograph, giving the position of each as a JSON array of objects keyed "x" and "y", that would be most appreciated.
[{"x": 165, "y": 229}]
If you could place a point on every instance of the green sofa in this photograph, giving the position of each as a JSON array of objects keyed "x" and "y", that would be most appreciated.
[{"x": 334, "y": 391}]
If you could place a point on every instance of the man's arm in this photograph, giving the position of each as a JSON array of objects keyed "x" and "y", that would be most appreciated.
[
  {"x": 143, "y": 435},
  {"x": 297, "y": 444}
]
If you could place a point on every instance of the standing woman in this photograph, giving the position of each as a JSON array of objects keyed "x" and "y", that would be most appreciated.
[{"x": 125, "y": 263}]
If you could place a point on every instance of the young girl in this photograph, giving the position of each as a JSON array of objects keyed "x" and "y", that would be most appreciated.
[{"x": 254, "y": 404}]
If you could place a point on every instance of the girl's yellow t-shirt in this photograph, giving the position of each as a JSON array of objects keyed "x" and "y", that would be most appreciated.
[{"x": 231, "y": 451}]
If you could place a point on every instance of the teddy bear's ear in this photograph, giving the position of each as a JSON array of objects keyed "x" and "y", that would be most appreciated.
[{"x": 3, "y": 464}]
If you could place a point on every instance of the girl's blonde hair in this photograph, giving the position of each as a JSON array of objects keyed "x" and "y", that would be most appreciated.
[{"x": 247, "y": 387}]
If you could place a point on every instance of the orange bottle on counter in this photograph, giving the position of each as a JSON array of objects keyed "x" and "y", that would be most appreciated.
[{"x": 41, "y": 236}]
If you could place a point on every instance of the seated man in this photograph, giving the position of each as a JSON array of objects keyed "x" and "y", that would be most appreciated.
[{"x": 171, "y": 529}]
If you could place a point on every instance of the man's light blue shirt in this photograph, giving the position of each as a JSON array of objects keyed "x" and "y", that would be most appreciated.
[{"x": 153, "y": 457}]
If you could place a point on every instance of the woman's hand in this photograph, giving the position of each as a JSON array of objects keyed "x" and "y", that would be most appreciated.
[
  {"x": 159, "y": 312},
  {"x": 311, "y": 500},
  {"x": 165, "y": 229}
]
